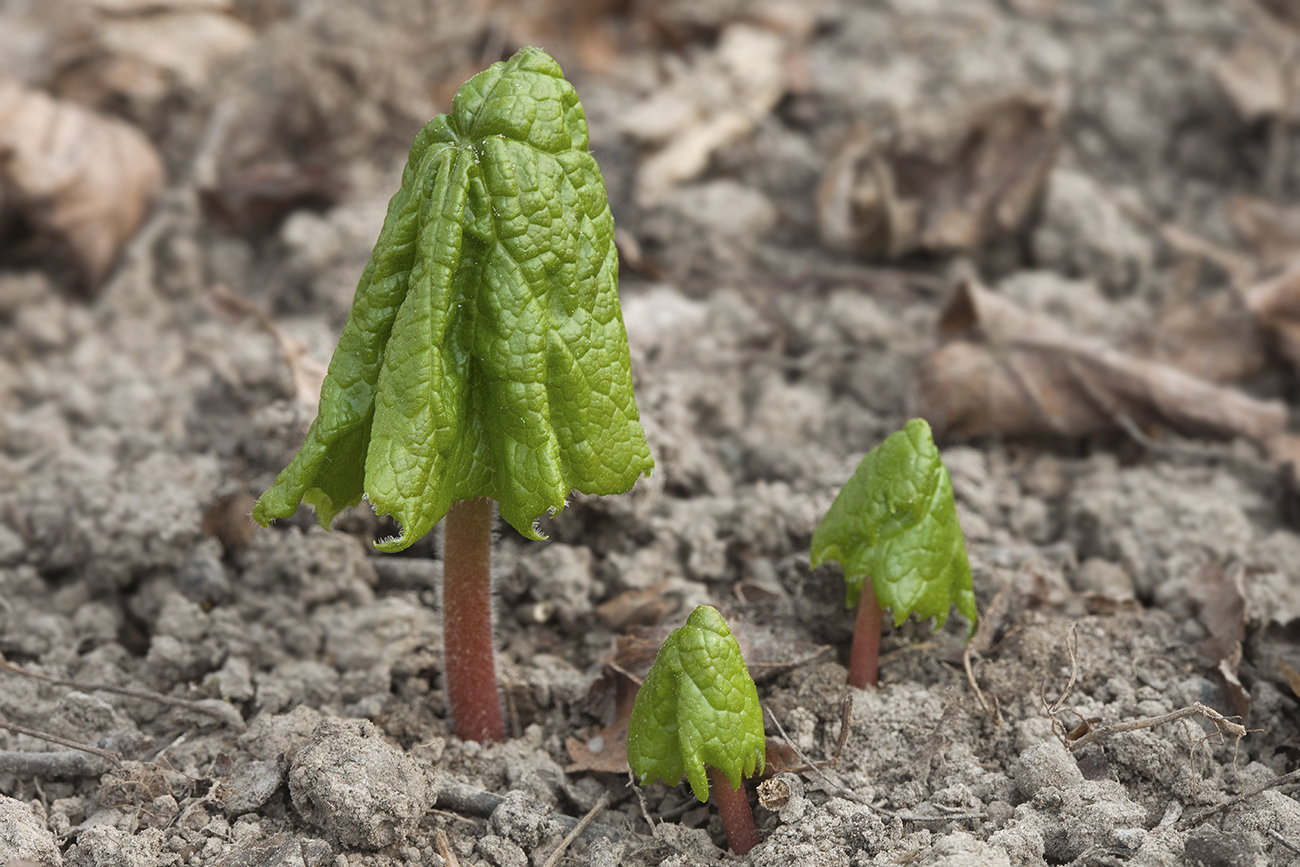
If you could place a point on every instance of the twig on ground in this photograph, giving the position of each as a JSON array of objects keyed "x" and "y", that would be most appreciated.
[
  {"x": 459, "y": 797},
  {"x": 1197, "y": 709},
  {"x": 55, "y": 739},
  {"x": 218, "y": 710},
  {"x": 1284, "y": 841},
  {"x": 554, "y": 857},
  {"x": 307, "y": 373},
  {"x": 1202, "y": 453},
  {"x": 1072, "y": 646},
  {"x": 645, "y": 810},
  {"x": 846, "y": 717},
  {"x": 444, "y": 849},
  {"x": 847, "y": 794},
  {"x": 64, "y": 765},
  {"x": 1198, "y": 818},
  {"x": 980, "y": 642}
]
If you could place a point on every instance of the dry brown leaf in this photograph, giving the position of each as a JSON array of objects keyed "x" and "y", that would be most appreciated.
[
  {"x": 711, "y": 105},
  {"x": 348, "y": 81},
  {"x": 87, "y": 179},
  {"x": 1218, "y": 592},
  {"x": 1271, "y": 231},
  {"x": 942, "y": 185},
  {"x": 780, "y": 757},
  {"x": 1292, "y": 677},
  {"x": 1285, "y": 12},
  {"x": 253, "y": 198},
  {"x": 1216, "y": 339},
  {"x": 1007, "y": 371},
  {"x": 605, "y": 747},
  {"x": 1259, "y": 79},
  {"x": 1275, "y": 303},
  {"x": 1220, "y": 596},
  {"x": 639, "y": 607},
  {"x": 142, "y": 51},
  {"x": 228, "y": 519},
  {"x": 1241, "y": 269}
]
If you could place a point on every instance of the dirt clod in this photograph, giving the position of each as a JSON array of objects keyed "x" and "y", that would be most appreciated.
[{"x": 351, "y": 784}]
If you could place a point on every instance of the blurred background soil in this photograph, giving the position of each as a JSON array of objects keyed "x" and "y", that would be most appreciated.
[{"x": 1063, "y": 231}]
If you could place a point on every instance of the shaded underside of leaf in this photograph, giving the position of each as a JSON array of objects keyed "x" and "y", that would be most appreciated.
[
  {"x": 698, "y": 706},
  {"x": 485, "y": 354},
  {"x": 895, "y": 520}
]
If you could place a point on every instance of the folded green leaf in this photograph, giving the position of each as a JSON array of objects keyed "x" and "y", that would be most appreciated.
[
  {"x": 485, "y": 354},
  {"x": 896, "y": 521},
  {"x": 697, "y": 706}
]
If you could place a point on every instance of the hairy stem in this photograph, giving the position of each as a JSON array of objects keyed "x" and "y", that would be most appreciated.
[
  {"x": 737, "y": 817},
  {"x": 864, "y": 657},
  {"x": 471, "y": 678}
]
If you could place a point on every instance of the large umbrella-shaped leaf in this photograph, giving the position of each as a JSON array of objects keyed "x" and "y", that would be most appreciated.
[{"x": 485, "y": 353}]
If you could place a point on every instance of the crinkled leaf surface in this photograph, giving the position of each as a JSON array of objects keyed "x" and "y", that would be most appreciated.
[
  {"x": 697, "y": 706},
  {"x": 485, "y": 353},
  {"x": 896, "y": 521}
]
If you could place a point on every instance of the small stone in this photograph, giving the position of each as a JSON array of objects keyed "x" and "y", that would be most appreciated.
[
  {"x": 1046, "y": 763},
  {"x": 961, "y": 849},
  {"x": 351, "y": 783},
  {"x": 202, "y": 579},
  {"x": 1103, "y": 577},
  {"x": 249, "y": 787},
  {"x": 273, "y": 735},
  {"x": 522, "y": 820},
  {"x": 163, "y": 810},
  {"x": 12, "y": 547},
  {"x": 1207, "y": 846},
  {"x": 23, "y": 837},
  {"x": 500, "y": 852},
  {"x": 235, "y": 679},
  {"x": 106, "y": 846}
]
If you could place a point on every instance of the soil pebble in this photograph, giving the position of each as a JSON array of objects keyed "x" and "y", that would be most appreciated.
[
  {"x": 357, "y": 788},
  {"x": 24, "y": 837}
]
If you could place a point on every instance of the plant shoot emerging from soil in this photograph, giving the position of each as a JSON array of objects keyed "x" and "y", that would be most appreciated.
[
  {"x": 484, "y": 356},
  {"x": 895, "y": 522},
  {"x": 697, "y": 706}
]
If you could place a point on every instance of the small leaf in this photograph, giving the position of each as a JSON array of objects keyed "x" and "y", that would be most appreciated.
[
  {"x": 698, "y": 705},
  {"x": 485, "y": 354},
  {"x": 896, "y": 521}
]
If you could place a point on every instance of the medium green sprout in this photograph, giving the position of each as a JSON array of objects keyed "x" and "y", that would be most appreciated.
[
  {"x": 895, "y": 522},
  {"x": 698, "y": 706}
]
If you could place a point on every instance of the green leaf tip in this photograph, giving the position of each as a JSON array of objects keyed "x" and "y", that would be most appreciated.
[
  {"x": 896, "y": 521},
  {"x": 698, "y": 705},
  {"x": 485, "y": 353}
]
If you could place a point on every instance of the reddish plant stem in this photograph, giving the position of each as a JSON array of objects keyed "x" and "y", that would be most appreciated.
[
  {"x": 468, "y": 653},
  {"x": 864, "y": 656},
  {"x": 733, "y": 807}
]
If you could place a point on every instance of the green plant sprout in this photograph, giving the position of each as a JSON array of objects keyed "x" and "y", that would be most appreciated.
[
  {"x": 485, "y": 356},
  {"x": 698, "y": 706},
  {"x": 895, "y": 522}
]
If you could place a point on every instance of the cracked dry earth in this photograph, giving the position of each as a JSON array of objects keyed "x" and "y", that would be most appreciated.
[{"x": 1122, "y": 577}]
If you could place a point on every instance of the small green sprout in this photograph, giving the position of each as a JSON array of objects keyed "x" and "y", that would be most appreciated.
[
  {"x": 895, "y": 522},
  {"x": 484, "y": 356},
  {"x": 698, "y": 706}
]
